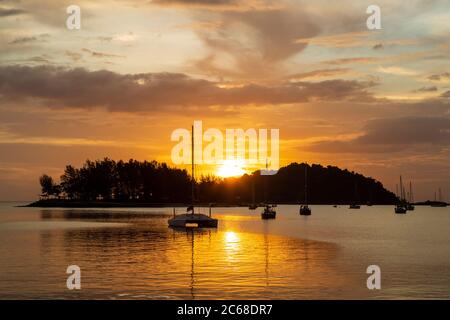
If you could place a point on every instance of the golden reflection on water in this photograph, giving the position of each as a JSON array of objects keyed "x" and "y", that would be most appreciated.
[
  {"x": 146, "y": 259},
  {"x": 231, "y": 244},
  {"x": 132, "y": 254}
]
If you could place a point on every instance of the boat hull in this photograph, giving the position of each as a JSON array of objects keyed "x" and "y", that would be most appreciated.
[
  {"x": 305, "y": 211},
  {"x": 439, "y": 205},
  {"x": 268, "y": 215},
  {"x": 196, "y": 220},
  {"x": 400, "y": 210}
]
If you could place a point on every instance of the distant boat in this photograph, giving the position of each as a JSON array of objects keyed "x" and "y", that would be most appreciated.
[
  {"x": 409, "y": 205},
  {"x": 304, "y": 209},
  {"x": 355, "y": 205},
  {"x": 401, "y": 207},
  {"x": 191, "y": 219},
  {"x": 439, "y": 203},
  {"x": 269, "y": 210},
  {"x": 268, "y": 213}
]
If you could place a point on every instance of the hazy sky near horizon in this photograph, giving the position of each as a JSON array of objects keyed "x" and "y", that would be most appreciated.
[{"x": 373, "y": 101}]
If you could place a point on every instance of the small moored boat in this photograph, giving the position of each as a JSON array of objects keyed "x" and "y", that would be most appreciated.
[
  {"x": 268, "y": 213},
  {"x": 400, "y": 209},
  {"x": 304, "y": 209},
  {"x": 190, "y": 219},
  {"x": 193, "y": 220}
]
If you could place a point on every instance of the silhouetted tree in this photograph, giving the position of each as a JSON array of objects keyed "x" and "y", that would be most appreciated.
[
  {"x": 47, "y": 185},
  {"x": 158, "y": 183},
  {"x": 71, "y": 182}
]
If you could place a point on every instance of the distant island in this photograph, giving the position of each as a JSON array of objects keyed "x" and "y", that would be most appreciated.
[
  {"x": 432, "y": 203},
  {"x": 109, "y": 183}
]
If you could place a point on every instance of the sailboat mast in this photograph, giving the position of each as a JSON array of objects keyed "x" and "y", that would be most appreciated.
[
  {"x": 410, "y": 193},
  {"x": 266, "y": 193},
  {"x": 306, "y": 184},
  {"x": 401, "y": 189},
  {"x": 192, "y": 169}
]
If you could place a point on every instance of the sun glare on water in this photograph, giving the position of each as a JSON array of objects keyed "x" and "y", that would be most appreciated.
[{"x": 231, "y": 168}]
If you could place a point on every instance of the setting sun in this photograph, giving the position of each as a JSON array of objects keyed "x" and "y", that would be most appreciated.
[{"x": 231, "y": 168}]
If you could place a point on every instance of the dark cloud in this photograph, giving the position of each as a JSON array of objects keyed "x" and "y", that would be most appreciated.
[
  {"x": 357, "y": 60},
  {"x": 319, "y": 73},
  {"x": 276, "y": 30},
  {"x": 97, "y": 54},
  {"x": 42, "y": 59},
  {"x": 426, "y": 89},
  {"x": 378, "y": 46},
  {"x": 257, "y": 37},
  {"x": 256, "y": 41},
  {"x": 51, "y": 12},
  {"x": 74, "y": 56},
  {"x": 23, "y": 40},
  {"x": 439, "y": 77},
  {"x": 10, "y": 12},
  {"x": 105, "y": 38},
  {"x": 143, "y": 92},
  {"x": 407, "y": 130},
  {"x": 393, "y": 135}
]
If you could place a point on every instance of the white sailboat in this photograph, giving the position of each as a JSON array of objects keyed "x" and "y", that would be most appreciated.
[{"x": 190, "y": 219}]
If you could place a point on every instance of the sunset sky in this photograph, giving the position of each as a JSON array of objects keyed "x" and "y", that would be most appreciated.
[{"x": 373, "y": 101}]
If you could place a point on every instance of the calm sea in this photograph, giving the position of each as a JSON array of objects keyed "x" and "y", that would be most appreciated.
[{"x": 132, "y": 254}]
